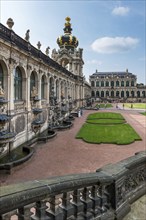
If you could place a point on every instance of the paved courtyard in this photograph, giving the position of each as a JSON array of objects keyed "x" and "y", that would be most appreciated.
[{"x": 64, "y": 154}]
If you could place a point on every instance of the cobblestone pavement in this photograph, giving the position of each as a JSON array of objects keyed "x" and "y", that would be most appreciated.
[{"x": 64, "y": 154}]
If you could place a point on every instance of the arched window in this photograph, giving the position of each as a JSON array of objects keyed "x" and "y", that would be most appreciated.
[
  {"x": 102, "y": 83},
  {"x": 107, "y": 83},
  {"x": 122, "y": 83},
  {"x": 132, "y": 83},
  {"x": 112, "y": 83},
  {"x": 1, "y": 76},
  {"x": 92, "y": 83},
  {"x": 143, "y": 94},
  {"x": 117, "y": 83},
  {"x": 97, "y": 93},
  {"x": 138, "y": 94},
  {"x": 122, "y": 94},
  {"x": 97, "y": 83},
  {"x": 127, "y": 93},
  {"x": 43, "y": 87},
  {"x": 112, "y": 93},
  {"x": 93, "y": 94},
  {"x": 102, "y": 93},
  {"x": 117, "y": 93},
  {"x": 107, "y": 93},
  {"x": 18, "y": 84},
  {"x": 127, "y": 83},
  {"x": 132, "y": 94},
  {"x": 32, "y": 81}
]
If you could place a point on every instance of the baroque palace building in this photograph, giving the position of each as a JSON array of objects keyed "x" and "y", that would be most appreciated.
[
  {"x": 119, "y": 86},
  {"x": 41, "y": 90}
]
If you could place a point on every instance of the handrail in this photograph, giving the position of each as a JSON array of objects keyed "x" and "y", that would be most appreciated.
[{"x": 106, "y": 194}]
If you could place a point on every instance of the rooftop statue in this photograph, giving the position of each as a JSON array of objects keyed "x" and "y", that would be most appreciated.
[
  {"x": 27, "y": 35},
  {"x": 47, "y": 51}
]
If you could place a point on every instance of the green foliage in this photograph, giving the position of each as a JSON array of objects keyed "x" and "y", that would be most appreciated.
[
  {"x": 103, "y": 105},
  {"x": 93, "y": 132},
  {"x": 136, "y": 105},
  {"x": 143, "y": 113}
]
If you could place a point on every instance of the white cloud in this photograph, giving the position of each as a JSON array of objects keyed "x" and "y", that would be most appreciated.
[
  {"x": 114, "y": 44},
  {"x": 97, "y": 62},
  {"x": 122, "y": 11}
]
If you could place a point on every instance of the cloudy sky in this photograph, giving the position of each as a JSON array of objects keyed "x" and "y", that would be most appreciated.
[{"x": 111, "y": 33}]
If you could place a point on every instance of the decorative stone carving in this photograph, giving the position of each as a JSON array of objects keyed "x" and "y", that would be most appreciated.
[
  {"x": 10, "y": 23},
  {"x": 34, "y": 92},
  {"x": 39, "y": 45},
  {"x": 20, "y": 124},
  {"x": 2, "y": 93}
]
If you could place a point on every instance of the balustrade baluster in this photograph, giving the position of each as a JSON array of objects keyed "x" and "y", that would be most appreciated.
[
  {"x": 88, "y": 212},
  {"x": 78, "y": 205},
  {"x": 8, "y": 216},
  {"x": 40, "y": 213},
  {"x": 55, "y": 212},
  {"x": 24, "y": 213},
  {"x": 68, "y": 209},
  {"x": 96, "y": 201},
  {"x": 105, "y": 205}
]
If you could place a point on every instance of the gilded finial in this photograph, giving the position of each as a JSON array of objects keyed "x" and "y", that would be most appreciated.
[{"x": 67, "y": 19}]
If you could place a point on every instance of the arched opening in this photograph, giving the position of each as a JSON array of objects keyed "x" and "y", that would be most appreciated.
[
  {"x": 1, "y": 76},
  {"x": 97, "y": 93},
  {"x": 93, "y": 94},
  {"x": 132, "y": 94},
  {"x": 102, "y": 94},
  {"x": 122, "y": 94},
  {"x": 18, "y": 84},
  {"x": 138, "y": 94},
  {"x": 117, "y": 83},
  {"x": 122, "y": 83},
  {"x": 43, "y": 87}
]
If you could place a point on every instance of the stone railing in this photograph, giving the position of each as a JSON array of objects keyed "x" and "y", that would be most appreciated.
[{"x": 104, "y": 195}]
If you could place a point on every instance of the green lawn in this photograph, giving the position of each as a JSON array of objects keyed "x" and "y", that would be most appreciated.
[
  {"x": 136, "y": 105},
  {"x": 105, "y": 121},
  {"x": 105, "y": 115},
  {"x": 102, "y": 105},
  {"x": 94, "y": 132}
]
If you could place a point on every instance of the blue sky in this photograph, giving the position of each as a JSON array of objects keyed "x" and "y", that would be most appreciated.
[{"x": 111, "y": 33}]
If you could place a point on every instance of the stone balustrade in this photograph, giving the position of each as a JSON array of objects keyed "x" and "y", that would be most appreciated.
[{"x": 105, "y": 194}]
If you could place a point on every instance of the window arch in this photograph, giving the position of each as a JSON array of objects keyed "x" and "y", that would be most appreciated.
[
  {"x": 107, "y": 83},
  {"x": 143, "y": 94},
  {"x": 92, "y": 83},
  {"x": 127, "y": 93},
  {"x": 32, "y": 81},
  {"x": 132, "y": 83},
  {"x": 97, "y": 93},
  {"x": 112, "y": 93},
  {"x": 122, "y": 83},
  {"x": 93, "y": 94},
  {"x": 102, "y": 93},
  {"x": 43, "y": 87},
  {"x": 122, "y": 94},
  {"x": 1, "y": 76},
  {"x": 138, "y": 94},
  {"x": 97, "y": 83},
  {"x": 117, "y": 93},
  {"x": 127, "y": 83},
  {"x": 117, "y": 83},
  {"x": 132, "y": 94},
  {"x": 112, "y": 83},
  {"x": 18, "y": 84},
  {"x": 102, "y": 83},
  {"x": 107, "y": 93}
]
